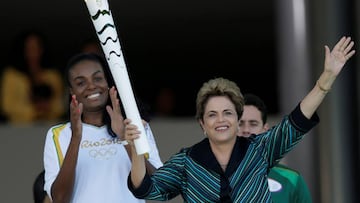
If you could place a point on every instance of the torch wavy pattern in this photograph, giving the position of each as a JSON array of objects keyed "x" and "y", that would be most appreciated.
[
  {"x": 113, "y": 52},
  {"x": 103, "y": 12},
  {"x": 104, "y": 28},
  {"x": 109, "y": 38}
]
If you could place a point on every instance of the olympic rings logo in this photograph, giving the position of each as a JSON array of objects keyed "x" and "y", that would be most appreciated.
[{"x": 103, "y": 153}]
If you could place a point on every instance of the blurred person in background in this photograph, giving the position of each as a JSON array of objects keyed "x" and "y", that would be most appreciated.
[
  {"x": 91, "y": 45},
  {"x": 165, "y": 102},
  {"x": 31, "y": 91},
  {"x": 285, "y": 184}
]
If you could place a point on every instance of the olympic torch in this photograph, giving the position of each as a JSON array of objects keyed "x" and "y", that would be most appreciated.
[{"x": 106, "y": 31}]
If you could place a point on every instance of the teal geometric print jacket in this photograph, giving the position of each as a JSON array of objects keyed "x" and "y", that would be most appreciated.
[{"x": 195, "y": 174}]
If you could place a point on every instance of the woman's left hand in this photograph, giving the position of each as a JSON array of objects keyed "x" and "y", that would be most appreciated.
[{"x": 337, "y": 57}]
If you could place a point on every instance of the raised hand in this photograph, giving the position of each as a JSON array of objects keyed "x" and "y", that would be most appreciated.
[
  {"x": 336, "y": 59},
  {"x": 334, "y": 63},
  {"x": 117, "y": 120},
  {"x": 76, "y": 110}
]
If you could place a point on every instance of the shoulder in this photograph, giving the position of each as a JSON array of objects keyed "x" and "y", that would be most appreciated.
[
  {"x": 178, "y": 159},
  {"x": 57, "y": 134},
  {"x": 57, "y": 129},
  {"x": 182, "y": 154}
]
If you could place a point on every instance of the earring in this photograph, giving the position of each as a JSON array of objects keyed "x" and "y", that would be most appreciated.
[{"x": 205, "y": 133}]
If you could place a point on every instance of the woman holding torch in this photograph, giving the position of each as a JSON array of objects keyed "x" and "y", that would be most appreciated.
[
  {"x": 86, "y": 159},
  {"x": 225, "y": 167}
]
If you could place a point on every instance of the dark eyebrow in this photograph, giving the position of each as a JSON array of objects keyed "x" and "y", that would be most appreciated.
[
  {"x": 228, "y": 110},
  {"x": 211, "y": 111},
  {"x": 225, "y": 110},
  {"x": 254, "y": 121},
  {"x": 96, "y": 72},
  {"x": 81, "y": 77}
]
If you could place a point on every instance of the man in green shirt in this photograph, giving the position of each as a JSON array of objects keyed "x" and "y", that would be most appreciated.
[{"x": 286, "y": 185}]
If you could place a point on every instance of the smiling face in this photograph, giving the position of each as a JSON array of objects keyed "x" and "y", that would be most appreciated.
[
  {"x": 220, "y": 120},
  {"x": 88, "y": 83}
]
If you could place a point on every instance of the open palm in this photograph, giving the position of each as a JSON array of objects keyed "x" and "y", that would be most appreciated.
[{"x": 336, "y": 59}]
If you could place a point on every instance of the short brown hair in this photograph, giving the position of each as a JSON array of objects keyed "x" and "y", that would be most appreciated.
[{"x": 219, "y": 87}]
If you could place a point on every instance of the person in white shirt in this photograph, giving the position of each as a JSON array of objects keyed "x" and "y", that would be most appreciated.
[{"x": 86, "y": 159}]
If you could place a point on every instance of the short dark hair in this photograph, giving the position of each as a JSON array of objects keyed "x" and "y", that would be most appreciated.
[{"x": 253, "y": 100}]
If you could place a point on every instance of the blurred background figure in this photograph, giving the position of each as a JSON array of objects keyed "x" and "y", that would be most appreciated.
[
  {"x": 31, "y": 91},
  {"x": 165, "y": 102},
  {"x": 39, "y": 194},
  {"x": 91, "y": 45}
]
